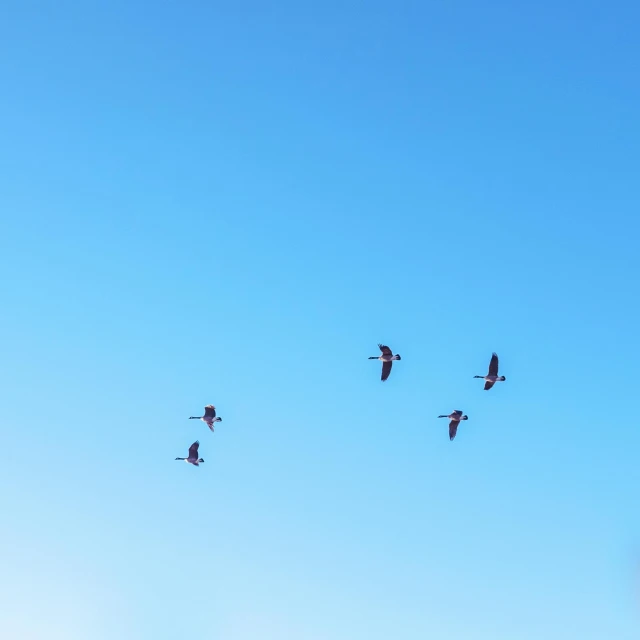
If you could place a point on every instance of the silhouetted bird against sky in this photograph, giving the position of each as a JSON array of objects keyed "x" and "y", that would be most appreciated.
[
  {"x": 387, "y": 360},
  {"x": 492, "y": 377},
  {"x": 455, "y": 418},
  {"x": 209, "y": 416},
  {"x": 193, "y": 455}
]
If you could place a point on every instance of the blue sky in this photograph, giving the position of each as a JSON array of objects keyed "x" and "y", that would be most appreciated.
[{"x": 234, "y": 204}]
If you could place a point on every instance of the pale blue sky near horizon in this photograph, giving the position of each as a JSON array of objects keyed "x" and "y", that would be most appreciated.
[{"x": 233, "y": 204}]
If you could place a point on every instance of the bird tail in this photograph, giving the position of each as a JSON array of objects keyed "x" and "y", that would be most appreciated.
[{"x": 398, "y": 357}]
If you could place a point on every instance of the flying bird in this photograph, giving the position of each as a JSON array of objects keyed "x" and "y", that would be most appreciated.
[
  {"x": 209, "y": 416},
  {"x": 387, "y": 360},
  {"x": 193, "y": 455},
  {"x": 492, "y": 377},
  {"x": 455, "y": 418}
]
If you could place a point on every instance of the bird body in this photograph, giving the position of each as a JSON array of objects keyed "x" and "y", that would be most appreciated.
[
  {"x": 492, "y": 377},
  {"x": 193, "y": 455},
  {"x": 456, "y": 416},
  {"x": 209, "y": 416},
  {"x": 387, "y": 357}
]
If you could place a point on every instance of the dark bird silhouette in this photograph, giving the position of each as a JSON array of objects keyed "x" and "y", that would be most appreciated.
[
  {"x": 492, "y": 377},
  {"x": 193, "y": 455},
  {"x": 455, "y": 418},
  {"x": 209, "y": 416},
  {"x": 387, "y": 359}
]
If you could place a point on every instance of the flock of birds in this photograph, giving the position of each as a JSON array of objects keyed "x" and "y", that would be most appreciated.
[
  {"x": 209, "y": 418},
  {"x": 386, "y": 357},
  {"x": 456, "y": 416}
]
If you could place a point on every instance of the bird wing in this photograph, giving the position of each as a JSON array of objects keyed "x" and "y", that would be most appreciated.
[
  {"x": 193, "y": 450},
  {"x": 385, "y": 350},
  {"x": 493, "y": 365},
  {"x": 453, "y": 429},
  {"x": 457, "y": 413},
  {"x": 488, "y": 384},
  {"x": 386, "y": 370},
  {"x": 209, "y": 411}
]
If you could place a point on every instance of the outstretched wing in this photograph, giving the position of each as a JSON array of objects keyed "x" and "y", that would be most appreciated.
[
  {"x": 453, "y": 429},
  {"x": 193, "y": 450},
  {"x": 457, "y": 414},
  {"x": 386, "y": 370},
  {"x": 385, "y": 350},
  {"x": 493, "y": 365},
  {"x": 488, "y": 384},
  {"x": 209, "y": 411}
]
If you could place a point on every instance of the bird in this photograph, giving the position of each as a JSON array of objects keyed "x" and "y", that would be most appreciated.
[
  {"x": 209, "y": 416},
  {"x": 387, "y": 360},
  {"x": 193, "y": 455},
  {"x": 455, "y": 418},
  {"x": 492, "y": 377}
]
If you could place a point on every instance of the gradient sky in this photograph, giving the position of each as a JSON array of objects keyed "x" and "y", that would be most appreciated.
[{"x": 233, "y": 203}]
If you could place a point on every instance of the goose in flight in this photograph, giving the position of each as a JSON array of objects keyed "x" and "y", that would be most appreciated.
[
  {"x": 455, "y": 418},
  {"x": 209, "y": 416},
  {"x": 387, "y": 360},
  {"x": 492, "y": 377},
  {"x": 193, "y": 455}
]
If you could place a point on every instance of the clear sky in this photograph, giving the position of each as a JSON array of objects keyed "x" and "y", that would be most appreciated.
[{"x": 233, "y": 203}]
